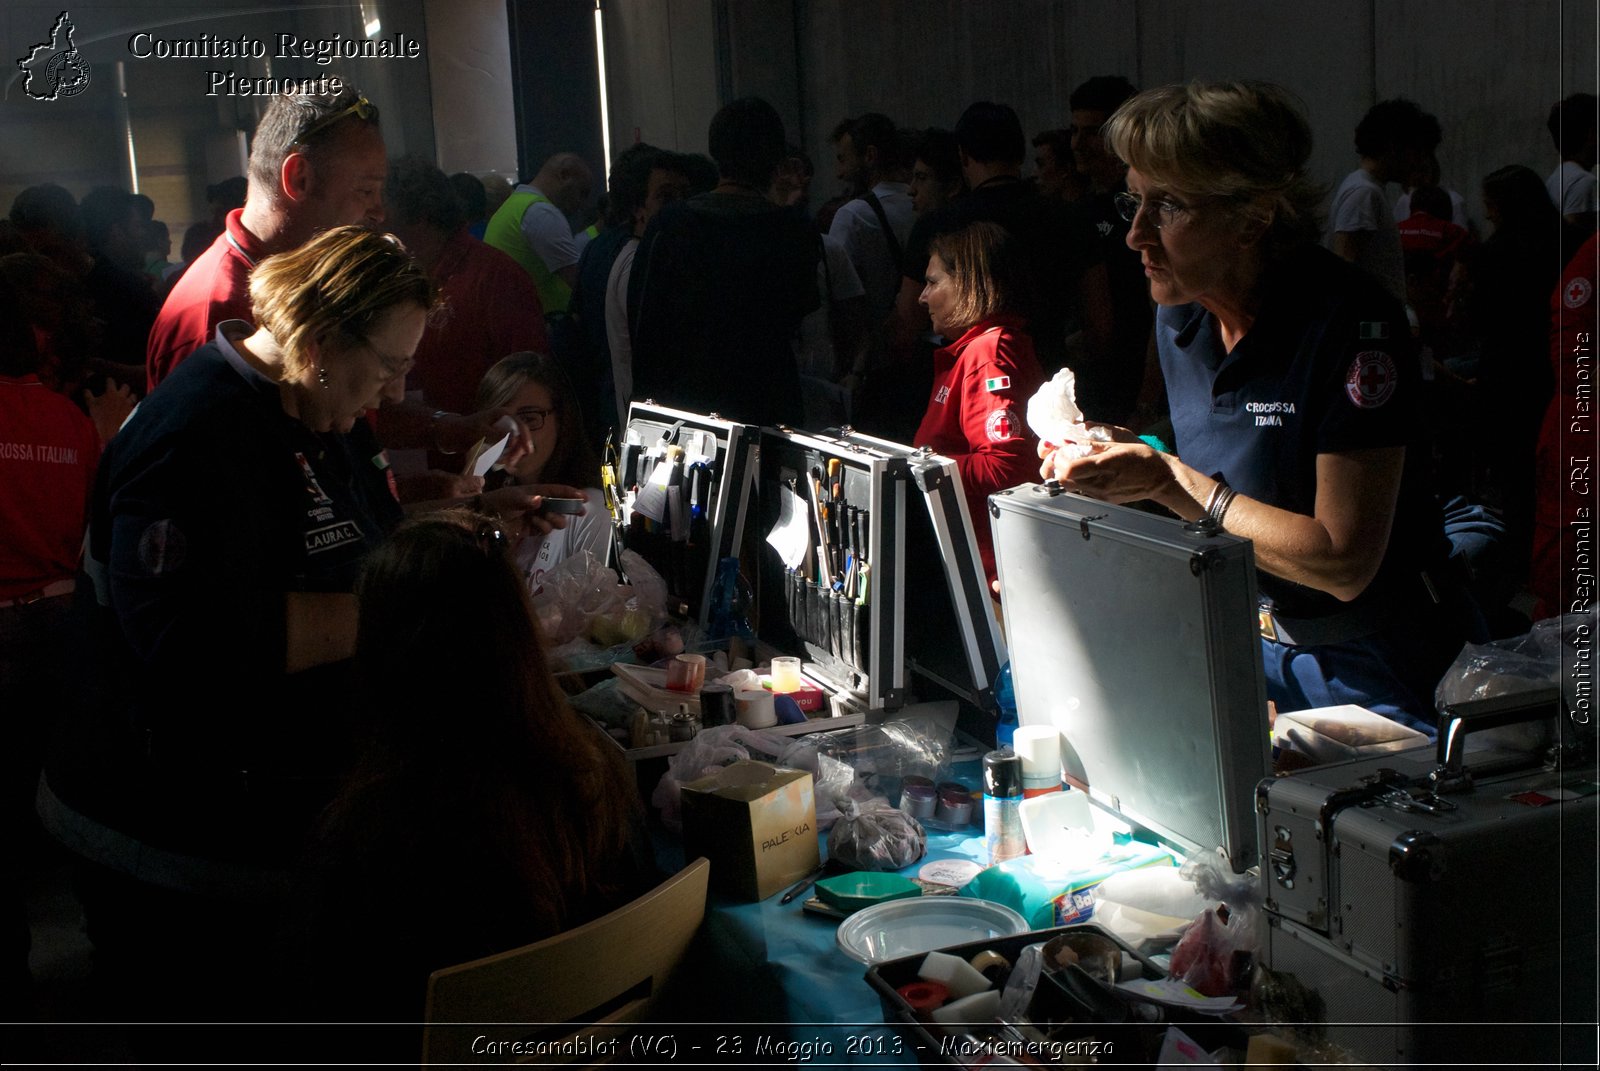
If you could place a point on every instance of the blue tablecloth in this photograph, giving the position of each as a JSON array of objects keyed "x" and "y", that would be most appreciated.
[{"x": 780, "y": 966}]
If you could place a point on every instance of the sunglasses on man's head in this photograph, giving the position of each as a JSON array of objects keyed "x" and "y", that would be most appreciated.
[{"x": 362, "y": 108}]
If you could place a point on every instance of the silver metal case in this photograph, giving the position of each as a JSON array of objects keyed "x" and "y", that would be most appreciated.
[
  {"x": 877, "y": 475},
  {"x": 726, "y": 511},
  {"x": 1450, "y": 902},
  {"x": 982, "y": 651},
  {"x": 1136, "y": 635}
]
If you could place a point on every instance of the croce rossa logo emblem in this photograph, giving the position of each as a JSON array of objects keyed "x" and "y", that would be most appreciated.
[{"x": 55, "y": 68}]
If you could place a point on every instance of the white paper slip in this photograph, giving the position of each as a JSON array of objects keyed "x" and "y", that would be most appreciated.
[
  {"x": 791, "y": 536},
  {"x": 652, "y": 498},
  {"x": 1171, "y": 991},
  {"x": 490, "y": 455}
]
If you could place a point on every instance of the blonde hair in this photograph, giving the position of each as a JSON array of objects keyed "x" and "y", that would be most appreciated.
[
  {"x": 1241, "y": 141},
  {"x": 985, "y": 265},
  {"x": 333, "y": 289}
]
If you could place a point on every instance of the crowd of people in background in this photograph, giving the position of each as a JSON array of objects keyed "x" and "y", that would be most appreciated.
[{"x": 938, "y": 283}]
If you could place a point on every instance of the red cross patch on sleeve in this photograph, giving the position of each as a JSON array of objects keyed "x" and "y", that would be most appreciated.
[
  {"x": 1372, "y": 379},
  {"x": 1577, "y": 293},
  {"x": 1001, "y": 426}
]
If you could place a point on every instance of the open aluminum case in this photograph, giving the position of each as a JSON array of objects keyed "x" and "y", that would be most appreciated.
[
  {"x": 685, "y": 541},
  {"x": 855, "y": 642},
  {"x": 1136, "y": 636}
]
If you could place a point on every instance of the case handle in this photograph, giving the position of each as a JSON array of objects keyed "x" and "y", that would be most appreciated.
[{"x": 1459, "y": 720}]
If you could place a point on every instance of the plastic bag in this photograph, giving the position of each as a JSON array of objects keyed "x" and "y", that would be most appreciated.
[
  {"x": 1216, "y": 954},
  {"x": 719, "y": 746},
  {"x": 875, "y": 836},
  {"x": 581, "y": 598},
  {"x": 1520, "y": 664},
  {"x": 881, "y": 756}
]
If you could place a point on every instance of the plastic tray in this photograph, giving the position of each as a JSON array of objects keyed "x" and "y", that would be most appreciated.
[{"x": 1118, "y": 1043}]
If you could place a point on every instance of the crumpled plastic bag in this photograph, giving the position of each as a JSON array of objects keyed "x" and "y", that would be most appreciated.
[
  {"x": 1055, "y": 418},
  {"x": 719, "y": 746},
  {"x": 875, "y": 836},
  {"x": 1520, "y": 664},
  {"x": 581, "y": 598},
  {"x": 1216, "y": 954},
  {"x": 881, "y": 756}
]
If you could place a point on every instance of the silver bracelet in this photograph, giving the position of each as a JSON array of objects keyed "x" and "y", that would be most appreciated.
[{"x": 1218, "y": 501}]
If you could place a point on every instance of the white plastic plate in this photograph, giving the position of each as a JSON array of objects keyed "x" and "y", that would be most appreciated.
[{"x": 905, "y": 927}]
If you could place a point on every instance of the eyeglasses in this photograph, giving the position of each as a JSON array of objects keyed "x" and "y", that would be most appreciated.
[
  {"x": 1163, "y": 210},
  {"x": 362, "y": 108},
  {"x": 393, "y": 367},
  {"x": 533, "y": 416},
  {"x": 491, "y": 537}
]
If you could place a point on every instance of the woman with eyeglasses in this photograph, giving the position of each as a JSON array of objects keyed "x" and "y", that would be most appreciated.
[
  {"x": 537, "y": 389},
  {"x": 1295, "y": 399},
  {"x": 230, "y": 519},
  {"x": 975, "y": 287},
  {"x": 483, "y": 813}
]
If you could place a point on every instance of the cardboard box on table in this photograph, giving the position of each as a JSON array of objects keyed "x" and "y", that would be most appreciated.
[{"x": 757, "y": 823}]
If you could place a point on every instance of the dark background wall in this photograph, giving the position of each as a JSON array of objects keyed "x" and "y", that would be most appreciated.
[
  {"x": 1489, "y": 69},
  {"x": 504, "y": 83},
  {"x": 555, "y": 80}
]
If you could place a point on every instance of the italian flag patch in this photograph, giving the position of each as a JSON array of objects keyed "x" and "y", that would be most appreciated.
[{"x": 997, "y": 383}]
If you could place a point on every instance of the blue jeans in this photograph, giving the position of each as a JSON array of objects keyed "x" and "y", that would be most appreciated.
[{"x": 1393, "y": 672}]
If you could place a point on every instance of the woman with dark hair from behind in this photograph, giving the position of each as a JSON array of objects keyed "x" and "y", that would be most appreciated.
[
  {"x": 1509, "y": 279},
  {"x": 483, "y": 813}
]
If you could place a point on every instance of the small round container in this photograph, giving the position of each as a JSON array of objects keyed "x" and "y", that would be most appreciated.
[
  {"x": 1039, "y": 748},
  {"x": 716, "y": 704},
  {"x": 755, "y": 708},
  {"x": 919, "y": 801},
  {"x": 785, "y": 674},
  {"x": 686, "y": 673},
  {"x": 955, "y": 806}
]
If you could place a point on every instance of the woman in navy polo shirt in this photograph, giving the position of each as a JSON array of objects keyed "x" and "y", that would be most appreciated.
[{"x": 1295, "y": 403}]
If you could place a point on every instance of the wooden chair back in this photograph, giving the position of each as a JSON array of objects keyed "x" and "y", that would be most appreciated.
[{"x": 595, "y": 978}]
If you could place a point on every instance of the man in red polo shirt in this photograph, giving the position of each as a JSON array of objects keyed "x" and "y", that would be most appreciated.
[{"x": 317, "y": 161}]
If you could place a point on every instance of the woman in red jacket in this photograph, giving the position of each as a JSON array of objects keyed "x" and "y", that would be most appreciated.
[{"x": 981, "y": 381}]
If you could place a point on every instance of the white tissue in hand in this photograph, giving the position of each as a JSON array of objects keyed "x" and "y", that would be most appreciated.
[{"x": 1055, "y": 418}]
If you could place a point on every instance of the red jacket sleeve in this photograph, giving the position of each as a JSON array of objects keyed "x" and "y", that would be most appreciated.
[{"x": 999, "y": 374}]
